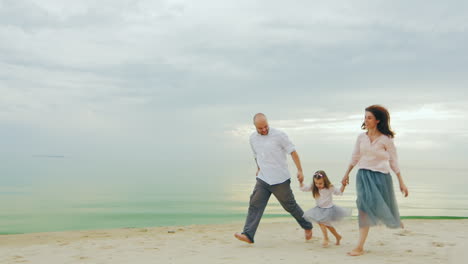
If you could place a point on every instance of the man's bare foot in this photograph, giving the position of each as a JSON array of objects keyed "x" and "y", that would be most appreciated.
[
  {"x": 356, "y": 252},
  {"x": 243, "y": 237},
  {"x": 308, "y": 234},
  {"x": 402, "y": 225},
  {"x": 325, "y": 243},
  {"x": 338, "y": 239}
]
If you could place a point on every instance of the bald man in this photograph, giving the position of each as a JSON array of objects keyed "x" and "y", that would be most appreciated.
[{"x": 270, "y": 147}]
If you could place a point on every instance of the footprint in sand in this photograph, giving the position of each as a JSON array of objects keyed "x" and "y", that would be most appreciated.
[
  {"x": 106, "y": 247},
  {"x": 438, "y": 244},
  {"x": 229, "y": 258},
  {"x": 152, "y": 248},
  {"x": 19, "y": 259},
  {"x": 404, "y": 233}
]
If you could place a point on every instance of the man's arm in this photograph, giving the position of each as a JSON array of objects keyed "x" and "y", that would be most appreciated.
[
  {"x": 297, "y": 161},
  {"x": 255, "y": 155},
  {"x": 258, "y": 168}
]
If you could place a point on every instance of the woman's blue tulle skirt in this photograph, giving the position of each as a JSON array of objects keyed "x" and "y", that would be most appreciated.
[{"x": 376, "y": 199}]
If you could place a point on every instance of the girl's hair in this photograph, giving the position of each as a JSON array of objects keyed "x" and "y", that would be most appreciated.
[
  {"x": 320, "y": 174},
  {"x": 382, "y": 114}
]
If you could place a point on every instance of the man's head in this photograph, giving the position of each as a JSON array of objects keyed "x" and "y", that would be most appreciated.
[{"x": 261, "y": 124}]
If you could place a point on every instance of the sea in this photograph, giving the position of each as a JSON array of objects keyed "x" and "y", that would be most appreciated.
[{"x": 48, "y": 194}]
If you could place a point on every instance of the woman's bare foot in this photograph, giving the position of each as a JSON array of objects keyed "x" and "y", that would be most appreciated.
[
  {"x": 308, "y": 234},
  {"x": 243, "y": 237},
  {"x": 325, "y": 243},
  {"x": 338, "y": 239},
  {"x": 356, "y": 252}
]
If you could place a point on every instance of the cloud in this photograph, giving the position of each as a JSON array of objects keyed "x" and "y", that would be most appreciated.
[
  {"x": 431, "y": 128},
  {"x": 157, "y": 69}
]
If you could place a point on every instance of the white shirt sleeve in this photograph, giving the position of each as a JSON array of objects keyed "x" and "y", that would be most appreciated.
[
  {"x": 286, "y": 144},
  {"x": 253, "y": 150},
  {"x": 391, "y": 149},
  {"x": 356, "y": 152},
  {"x": 336, "y": 191}
]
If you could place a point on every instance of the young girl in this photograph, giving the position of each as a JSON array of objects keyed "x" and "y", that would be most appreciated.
[{"x": 325, "y": 212}]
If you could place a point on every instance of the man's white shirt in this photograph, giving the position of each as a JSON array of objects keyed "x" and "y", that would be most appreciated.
[{"x": 271, "y": 153}]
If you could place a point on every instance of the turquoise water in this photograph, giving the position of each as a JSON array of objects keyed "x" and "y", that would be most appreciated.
[{"x": 56, "y": 195}]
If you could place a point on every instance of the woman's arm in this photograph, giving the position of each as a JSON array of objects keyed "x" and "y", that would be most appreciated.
[
  {"x": 355, "y": 157},
  {"x": 393, "y": 160},
  {"x": 345, "y": 180},
  {"x": 403, "y": 187},
  {"x": 392, "y": 153}
]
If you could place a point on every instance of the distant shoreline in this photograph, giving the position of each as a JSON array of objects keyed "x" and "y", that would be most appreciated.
[
  {"x": 48, "y": 156},
  {"x": 268, "y": 216}
]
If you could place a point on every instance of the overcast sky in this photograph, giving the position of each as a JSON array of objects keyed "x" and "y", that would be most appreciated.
[{"x": 179, "y": 81}]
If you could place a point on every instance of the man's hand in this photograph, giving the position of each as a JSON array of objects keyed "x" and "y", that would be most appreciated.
[
  {"x": 297, "y": 161},
  {"x": 300, "y": 176},
  {"x": 258, "y": 170}
]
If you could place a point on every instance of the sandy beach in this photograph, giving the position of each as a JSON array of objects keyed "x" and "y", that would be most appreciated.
[{"x": 277, "y": 241}]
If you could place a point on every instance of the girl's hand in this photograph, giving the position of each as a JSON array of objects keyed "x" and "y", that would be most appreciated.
[
  {"x": 345, "y": 180},
  {"x": 404, "y": 189},
  {"x": 343, "y": 187}
]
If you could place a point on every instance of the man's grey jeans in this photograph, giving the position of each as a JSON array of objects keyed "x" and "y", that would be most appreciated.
[{"x": 259, "y": 199}]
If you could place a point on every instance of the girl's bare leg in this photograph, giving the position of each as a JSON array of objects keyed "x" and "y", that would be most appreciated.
[
  {"x": 337, "y": 236},
  {"x": 325, "y": 235}
]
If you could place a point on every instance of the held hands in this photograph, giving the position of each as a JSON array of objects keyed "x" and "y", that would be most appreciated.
[
  {"x": 345, "y": 180},
  {"x": 300, "y": 176}
]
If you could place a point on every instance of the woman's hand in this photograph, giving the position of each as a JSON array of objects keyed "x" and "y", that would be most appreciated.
[
  {"x": 345, "y": 180},
  {"x": 404, "y": 189}
]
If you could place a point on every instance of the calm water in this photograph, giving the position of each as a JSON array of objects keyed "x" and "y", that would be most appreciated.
[{"x": 63, "y": 194}]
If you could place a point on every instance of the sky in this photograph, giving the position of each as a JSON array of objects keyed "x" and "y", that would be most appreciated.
[{"x": 170, "y": 87}]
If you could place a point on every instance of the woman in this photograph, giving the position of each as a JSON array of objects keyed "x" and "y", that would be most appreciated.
[{"x": 375, "y": 154}]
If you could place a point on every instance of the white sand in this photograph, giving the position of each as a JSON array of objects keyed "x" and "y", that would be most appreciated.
[{"x": 422, "y": 241}]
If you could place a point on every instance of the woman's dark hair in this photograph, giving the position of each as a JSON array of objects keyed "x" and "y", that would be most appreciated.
[
  {"x": 380, "y": 113},
  {"x": 320, "y": 174}
]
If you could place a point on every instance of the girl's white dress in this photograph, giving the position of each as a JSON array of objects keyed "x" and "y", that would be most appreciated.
[{"x": 325, "y": 212}]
